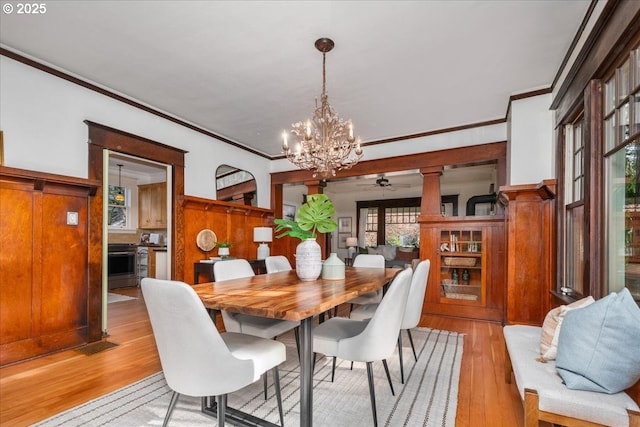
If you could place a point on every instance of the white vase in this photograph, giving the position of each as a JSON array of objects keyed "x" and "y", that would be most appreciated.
[
  {"x": 333, "y": 268},
  {"x": 223, "y": 252},
  {"x": 308, "y": 260}
]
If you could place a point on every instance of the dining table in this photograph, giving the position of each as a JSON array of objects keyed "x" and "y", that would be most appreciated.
[{"x": 284, "y": 296}]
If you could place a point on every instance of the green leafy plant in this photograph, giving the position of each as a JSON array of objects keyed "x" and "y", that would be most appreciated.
[
  {"x": 224, "y": 244},
  {"x": 314, "y": 216}
]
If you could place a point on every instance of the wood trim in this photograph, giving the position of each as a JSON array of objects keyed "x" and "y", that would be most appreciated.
[
  {"x": 50, "y": 70},
  {"x": 525, "y": 95},
  {"x": 40, "y": 179},
  {"x": 103, "y": 137},
  {"x": 453, "y": 156},
  {"x": 593, "y": 198},
  {"x": 617, "y": 25}
]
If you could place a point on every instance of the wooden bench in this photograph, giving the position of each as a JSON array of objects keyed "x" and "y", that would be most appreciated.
[{"x": 545, "y": 396}]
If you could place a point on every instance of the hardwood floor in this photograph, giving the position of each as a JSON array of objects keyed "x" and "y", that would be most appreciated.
[{"x": 36, "y": 389}]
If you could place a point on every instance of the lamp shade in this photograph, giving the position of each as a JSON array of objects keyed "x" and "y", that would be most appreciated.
[
  {"x": 352, "y": 242},
  {"x": 262, "y": 234}
]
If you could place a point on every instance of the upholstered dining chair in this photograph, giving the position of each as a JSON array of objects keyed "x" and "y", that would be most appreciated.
[
  {"x": 368, "y": 260},
  {"x": 371, "y": 340},
  {"x": 277, "y": 263},
  {"x": 263, "y": 327},
  {"x": 215, "y": 364},
  {"x": 412, "y": 313}
]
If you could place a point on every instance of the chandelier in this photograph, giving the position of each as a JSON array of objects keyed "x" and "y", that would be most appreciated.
[{"x": 325, "y": 144}]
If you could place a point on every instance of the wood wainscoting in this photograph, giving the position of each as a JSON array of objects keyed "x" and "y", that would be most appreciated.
[
  {"x": 233, "y": 222},
  {"x": 44, "y": 262}
]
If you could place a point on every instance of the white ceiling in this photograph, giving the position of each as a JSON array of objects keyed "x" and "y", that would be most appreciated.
[{"x": 246, "y": 70}]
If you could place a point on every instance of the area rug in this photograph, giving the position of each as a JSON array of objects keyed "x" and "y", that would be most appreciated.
[
  {"x": 111, "y": 298},
  {"x": 428, "y": 397}
]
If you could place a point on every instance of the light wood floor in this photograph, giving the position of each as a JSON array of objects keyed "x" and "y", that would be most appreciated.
[{"x": 34, "y": 390}]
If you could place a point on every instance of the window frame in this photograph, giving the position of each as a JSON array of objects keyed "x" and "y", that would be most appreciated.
[{"x": 382, "y": 206}]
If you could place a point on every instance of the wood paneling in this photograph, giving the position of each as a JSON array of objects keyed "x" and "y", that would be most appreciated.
[
  {"x": 230, "y": 221},
  {"x": 44, "y": 263},
  {"x": 530, "y": 227}
]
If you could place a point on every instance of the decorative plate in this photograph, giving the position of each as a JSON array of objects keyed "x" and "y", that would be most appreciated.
[{"x": 206, "y": 240}]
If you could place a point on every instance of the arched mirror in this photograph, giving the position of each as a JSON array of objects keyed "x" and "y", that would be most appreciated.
[{"x": 236, "y": 186}]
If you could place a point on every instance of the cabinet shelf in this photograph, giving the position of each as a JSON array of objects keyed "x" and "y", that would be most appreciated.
[{"x": 461, "y": 268}]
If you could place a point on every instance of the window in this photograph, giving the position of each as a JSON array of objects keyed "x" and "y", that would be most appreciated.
[
  {"x": 574, "y": 208},
  {"x": 622, "y": 177},
  {"x": 117, "y": 209},
  {"x": 392, "y": 222}
]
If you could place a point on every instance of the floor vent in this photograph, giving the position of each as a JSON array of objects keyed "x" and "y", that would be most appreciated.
[{"x": 96, "y": 347}]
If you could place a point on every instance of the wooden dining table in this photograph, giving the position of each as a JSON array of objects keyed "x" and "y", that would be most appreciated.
[{"x": 284, "y": 296}]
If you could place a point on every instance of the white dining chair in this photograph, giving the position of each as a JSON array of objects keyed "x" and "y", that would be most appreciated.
[
  {"x": 215, "y": 364},
  {"x": 412, "y": 313},
  {"x": 277, "y": 263},
  {"x": 372, "y": 261},
  {"x": 371, "y": 340},
  {"x": 263, "y": 327}
]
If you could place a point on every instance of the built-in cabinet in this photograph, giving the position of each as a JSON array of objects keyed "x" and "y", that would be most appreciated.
[
  {"x": 467, "y": 277},
  {"x": 461, "y": 267},
  {"x": 152, "y": 206}
]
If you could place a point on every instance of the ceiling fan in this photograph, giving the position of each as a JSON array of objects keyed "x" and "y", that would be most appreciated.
[{"x": 385, "y": 184}]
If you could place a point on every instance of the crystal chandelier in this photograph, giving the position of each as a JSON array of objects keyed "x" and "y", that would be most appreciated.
[{"x": 325, "y": 144}]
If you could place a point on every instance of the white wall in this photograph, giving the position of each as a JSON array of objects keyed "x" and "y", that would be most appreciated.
[
  {"x": 530, "y": 152},
  {"x": 42, "y": 119}
]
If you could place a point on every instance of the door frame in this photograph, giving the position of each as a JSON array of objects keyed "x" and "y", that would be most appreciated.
[{"x": 103, "y": 137}]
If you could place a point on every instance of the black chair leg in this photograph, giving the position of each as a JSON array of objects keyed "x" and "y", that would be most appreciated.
[
  {"x": 296, "y": 333},
  {"x": 386, "y": 369},
  {"x": 412, "y": 346},
  {"x": 333, "y": 368},
  {"x": 400, "y": 357},
  {"x": 276, "y": 383},
  {"x": 172, "y": 404},
  {"x": 264, "y": 381},
  {"x": 372, "y": 393},
  {"x": 222, "y": 408}
]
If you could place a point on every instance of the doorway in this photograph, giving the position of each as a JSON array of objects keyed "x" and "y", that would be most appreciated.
[
  {"x": 103, "y": 139},
  {"x": 135, "y": 189}
]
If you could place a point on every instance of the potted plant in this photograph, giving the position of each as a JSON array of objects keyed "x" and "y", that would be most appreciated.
[
  {"x": 223, "y": 248},
  {"x": 314, "y": 216}
]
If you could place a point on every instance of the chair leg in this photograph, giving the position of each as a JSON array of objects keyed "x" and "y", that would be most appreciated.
[
  {"x": 333, "y": 368},
  {"x": 276, "y": 383},
  {"x": 412, "y": 346},
  {"x": 372, "y": 393},
  {"x": 386, "y": 369},
  {"x": 296, "y": 333},
  {"x": 264, "y": 382},
  {"x": 400, "y": 357},
  {"x": 172, "y": 404},
  {"x": 222, "y": 408}
]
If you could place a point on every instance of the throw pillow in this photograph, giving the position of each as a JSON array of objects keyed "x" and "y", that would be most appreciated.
[
  {"x": 389, "y": 252},
  {"x": 375, "y": 251},
  {"x": 551, "y": 328},
  {"x": 599, "y": 345}
]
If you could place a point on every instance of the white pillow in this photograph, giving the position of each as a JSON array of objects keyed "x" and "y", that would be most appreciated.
[{"x": 551, "y": 328}]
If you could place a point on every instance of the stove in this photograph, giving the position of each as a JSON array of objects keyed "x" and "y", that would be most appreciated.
[{"x": 122, "y": 265}]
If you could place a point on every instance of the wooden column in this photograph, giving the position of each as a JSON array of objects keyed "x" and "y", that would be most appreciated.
[{"x": 530, "y": 225}]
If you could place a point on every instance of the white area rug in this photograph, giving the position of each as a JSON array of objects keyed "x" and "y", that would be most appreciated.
[
  {"x": 111, "y": 298},
  {"x": 428, "y": 398}
]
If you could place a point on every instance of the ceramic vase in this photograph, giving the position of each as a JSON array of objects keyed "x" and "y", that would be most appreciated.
[
  {"x": 223, "y": 252},
  {"x": 308, "y": 260},
  {"x": 333, "y": 268}
]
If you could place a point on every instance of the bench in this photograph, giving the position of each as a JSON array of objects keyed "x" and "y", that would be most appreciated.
[{"x": 546, "y": 398}]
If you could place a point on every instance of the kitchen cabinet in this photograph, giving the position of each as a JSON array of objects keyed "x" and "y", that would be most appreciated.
[
  {"x": 157, "y": 259},
  {"x": 152, "y": 206}
]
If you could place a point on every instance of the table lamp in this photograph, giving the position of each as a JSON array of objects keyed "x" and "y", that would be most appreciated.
[
  {"x": 262, "y": 235},
  {"x": 352, "y": 242}
]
